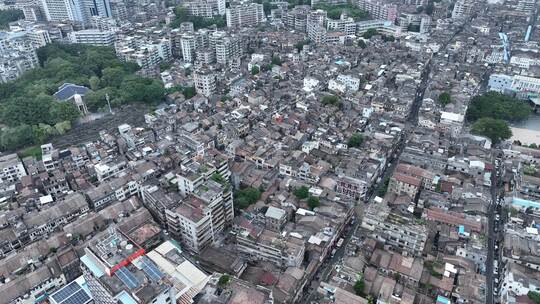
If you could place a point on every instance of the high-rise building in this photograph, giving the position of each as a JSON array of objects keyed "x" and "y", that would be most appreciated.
[
  {"x": 526, "y": 6},
  {"x": 188, "y": 44},
  {"x": 228, "y": 48},
  {"x": 344, "y": 24},
  {"x": 205, "y": 82},
  {"x": 119, "y": 10},
  {"x": 65, "y": 10},
  {"x": 93, "y": 37},
  {"x": 296, "y": 18},
  {"x": 206, "y": 8},
  {"x": 378, "y": 10},
  {"x": 207, "y": 208},
  {"x": 462, "y": 8},
  {"x": 32, "y": 12},
  {"x": 245, "y": 14},
  {"x": 316, "y": 26},
  {"x": 99, "y": 8}
]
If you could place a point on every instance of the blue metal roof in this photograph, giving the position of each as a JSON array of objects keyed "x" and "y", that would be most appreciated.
[
  {"x": 67, "y": 90},
  {"x": 524, "y": 203},
  {"x": 96, "y": 271},
  {"x": 442, "y": 300},
  {"x": 125, "y": 298}
]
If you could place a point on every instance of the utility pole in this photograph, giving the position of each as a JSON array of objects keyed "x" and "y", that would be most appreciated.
[{"x": 108, "y": 103}]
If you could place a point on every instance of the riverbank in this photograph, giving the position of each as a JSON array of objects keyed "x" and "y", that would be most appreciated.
[{"x": 527, "y": 131}]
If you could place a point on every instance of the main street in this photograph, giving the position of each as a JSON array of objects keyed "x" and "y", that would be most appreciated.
[{"x": 495, "y": 234}]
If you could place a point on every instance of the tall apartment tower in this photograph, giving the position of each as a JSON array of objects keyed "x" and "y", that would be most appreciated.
[
  {"x": 227, "y": 47},
  {"x": 100, "y": 8},
  {"x": 316, "y": 26},
  {"x": 462, "y": 8},
  {"x": 65, "y": 10},
  {"x": 205, "y": 82},
  {"x": 188, "y": 44},
  {"x": 245, "y": 14}
]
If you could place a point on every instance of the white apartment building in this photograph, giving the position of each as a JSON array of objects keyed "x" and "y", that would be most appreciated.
[
  {"x": 344, "y": 83},
  {"x": 344, "y": 25},
  {"x": 228, "y": 49},
  {"x": 205, "y": 82},
  {"x": 378, "y": 9},
  {"x": 12, "y": 168},
  {"x": 202, "y": 215},
  {"x": 65, "y": 10},
  {"x": 38, "y": 37},
  {"x": 188, "y": 44},
  {"x": 105, "y": 171},
  {"x": 266, "y": 245},
  {"x": 525, "y": 60},
  {"x": 316, "y": 26},
  {"x": 382, "y": 26},
  {"x": 462, "y": 8},
  {"x": 526, "y": 84},
  {"x": 206, "y": 8},
  {"x": 245, "y": 14},
  {"x": 310, "y": 84},
  {"x": 93, "y": 37},
  {"x": 191, "y": 223},
  {"x": 523, "y": 84}
]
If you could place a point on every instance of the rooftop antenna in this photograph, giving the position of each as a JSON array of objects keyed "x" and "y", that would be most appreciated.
[{"x": 109, "y": 103}]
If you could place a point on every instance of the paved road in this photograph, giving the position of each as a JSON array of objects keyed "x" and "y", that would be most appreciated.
[
  {"x": 491, "y": 237},
  {"x": 494, "y": 238}
]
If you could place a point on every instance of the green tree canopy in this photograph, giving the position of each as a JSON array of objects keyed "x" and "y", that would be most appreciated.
[
  {"x": 494, "y": 129},
  {"x": 255, "y": 70},
  {"x": 245, "y": 197},
  {"x": 224, "y": 280},
  {"x": 497, "y": 106},
  {"x": 302, "y": 192},
  {"x": 534, "y": 296},
  {"x": 331, "y": 100},
  {"x": 313, "y": 202},
  {"x": 276, "y": 60},
  {"x": 444, "y": 98},
  {"x": 359, "y": 286},
  {"x": 10, "y": 15},
  {"x": 27, "y": 103},
  {"x": 370, "y": 33},
  {"x": 356, "y": 140}
]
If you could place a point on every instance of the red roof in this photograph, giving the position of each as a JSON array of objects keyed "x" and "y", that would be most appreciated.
[{"x": 268, "y": 279}]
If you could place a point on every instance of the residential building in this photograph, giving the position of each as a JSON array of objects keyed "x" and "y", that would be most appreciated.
[
  {"x": 12, "y": 169},
  {"x": 205, "y": 82},
  {"x": 378, "y": 10},
  {"x": 188, "y": 43},
  {"x": 260, "y": 244},
  {"x": 395, "y": 230},
  {"x": 93, "y": 37},
  {"x": 244, "y": 14}
]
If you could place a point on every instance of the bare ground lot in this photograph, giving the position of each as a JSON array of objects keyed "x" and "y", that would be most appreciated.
[{"x": 132, "y": 114}]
